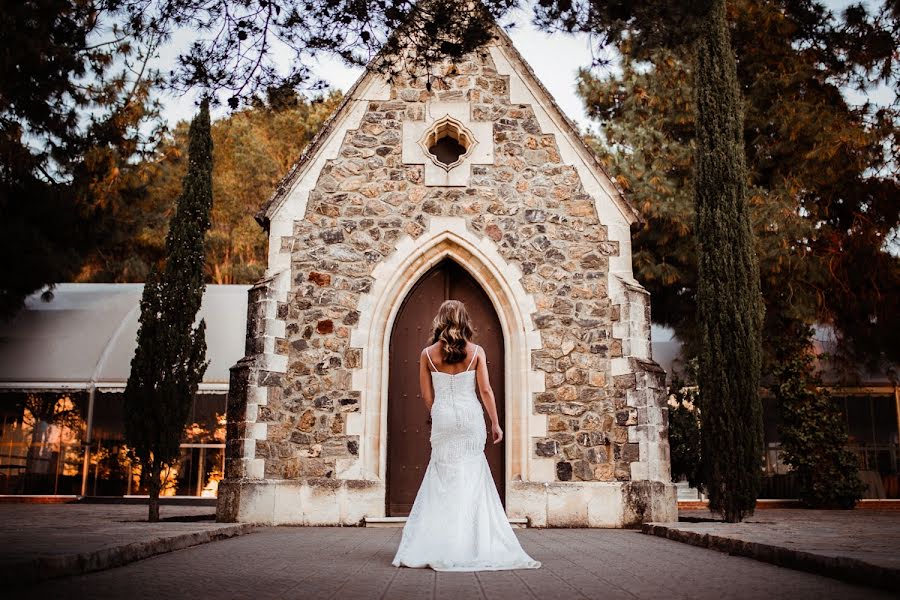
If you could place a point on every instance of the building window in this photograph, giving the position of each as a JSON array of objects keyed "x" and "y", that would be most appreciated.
[
  {"x": 873, "y": 435},
  {"x": 447, "y": 142},
  {"x": 43, "y": 452}
]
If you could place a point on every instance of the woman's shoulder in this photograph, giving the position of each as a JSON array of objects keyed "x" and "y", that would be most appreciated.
[
  {"x": 471, "y": 349},
  {"x": 431, "y": 352}
]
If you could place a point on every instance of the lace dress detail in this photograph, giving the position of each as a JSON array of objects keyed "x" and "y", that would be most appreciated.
[{"x": 457, "y": 522}]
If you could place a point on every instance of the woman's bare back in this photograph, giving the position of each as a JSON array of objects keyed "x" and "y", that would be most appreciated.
[{"x": 437, "y": 357}]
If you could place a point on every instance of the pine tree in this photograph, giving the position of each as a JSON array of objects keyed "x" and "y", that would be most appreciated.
[
  {"x": 170, "y": 359},
  {"x": 75, "y": 105},
  {"x": 729, "y": 304}
]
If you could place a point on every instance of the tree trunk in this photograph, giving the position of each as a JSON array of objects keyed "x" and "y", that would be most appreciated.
[
  {"x": 153, "y": 488},
  {"x": 729, "y": 303}
]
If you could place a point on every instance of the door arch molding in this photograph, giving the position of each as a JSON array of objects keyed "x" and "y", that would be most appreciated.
[
  {"x": 393, "y": 278},
  {"x": 408, "y": 434}
]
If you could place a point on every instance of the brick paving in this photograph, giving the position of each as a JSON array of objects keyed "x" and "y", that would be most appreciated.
[
  {"x": 350, "y": 563},
  {"x": 854, "y": 545},
  {"x": 40, "y": 540},
  {"x": 869, "y": 535}
]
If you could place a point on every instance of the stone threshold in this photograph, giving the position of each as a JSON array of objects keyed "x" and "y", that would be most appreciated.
[{"x": 401, "y": 521}]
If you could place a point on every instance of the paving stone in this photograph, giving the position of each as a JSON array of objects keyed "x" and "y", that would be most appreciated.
[
  {"x": 320, "y": 562},
  {"x": 41, "y": 541},
  {"x": 853, "y": 545}
]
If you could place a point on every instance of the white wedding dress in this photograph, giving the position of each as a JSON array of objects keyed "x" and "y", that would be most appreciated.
[{"x": 457, "y": 522}]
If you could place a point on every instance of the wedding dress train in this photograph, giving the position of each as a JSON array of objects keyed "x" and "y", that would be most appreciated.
[{"x": 457, "y": 522}]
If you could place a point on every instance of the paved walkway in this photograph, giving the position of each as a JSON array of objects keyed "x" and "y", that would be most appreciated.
[
  {"x": 38, "y": 541},
  {"x": 855, "y": 545},
  {"x": 350, "y": 563},
  {"x": 43, "y": 541}
]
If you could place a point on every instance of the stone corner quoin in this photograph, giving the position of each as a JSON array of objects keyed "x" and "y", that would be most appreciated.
[{"x": 536, "y": 222}]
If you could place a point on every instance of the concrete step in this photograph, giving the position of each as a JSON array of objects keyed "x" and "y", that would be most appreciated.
[{"x": 401, "y": 521}]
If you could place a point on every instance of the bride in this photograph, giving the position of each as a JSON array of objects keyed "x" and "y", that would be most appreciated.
[{"x": 457, "y": 522}]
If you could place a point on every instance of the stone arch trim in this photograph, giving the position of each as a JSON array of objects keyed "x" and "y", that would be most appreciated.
[{"x": 394, "y": 277}]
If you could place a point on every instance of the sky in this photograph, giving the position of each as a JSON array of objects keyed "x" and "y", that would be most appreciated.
[
  {"x": 556, "y": 68},
  {"x": 555, "y": 59}
]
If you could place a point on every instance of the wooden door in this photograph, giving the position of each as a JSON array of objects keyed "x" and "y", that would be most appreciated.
[{"x": 409, "y": 448}]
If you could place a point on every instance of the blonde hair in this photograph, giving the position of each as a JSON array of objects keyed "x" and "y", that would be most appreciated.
[{"x": 451, "y": 326}]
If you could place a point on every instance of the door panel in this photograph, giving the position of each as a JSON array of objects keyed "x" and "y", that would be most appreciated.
[{"x": 408, "y": 432}]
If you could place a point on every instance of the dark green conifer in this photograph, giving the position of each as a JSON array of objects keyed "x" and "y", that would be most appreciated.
[
  {"x": 813, "y": 428},
  {"x": 729, "y": 304},
  {"x": 170, "y": 359}
]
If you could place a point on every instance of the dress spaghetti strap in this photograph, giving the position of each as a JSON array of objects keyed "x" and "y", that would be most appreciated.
[
  {"x": 431, "y": 361},
  {"x": 436, "y": 370},
  {"x": 474, "y": 356}
]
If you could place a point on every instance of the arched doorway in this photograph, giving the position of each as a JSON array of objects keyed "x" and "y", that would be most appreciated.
[{"x": 408, "y": 448}]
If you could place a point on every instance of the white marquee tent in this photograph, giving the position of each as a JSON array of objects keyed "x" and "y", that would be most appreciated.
[{"x": 85, "y": 337}]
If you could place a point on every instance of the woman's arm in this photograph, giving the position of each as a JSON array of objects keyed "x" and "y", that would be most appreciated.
[
  {"x": 487, "y": 395},
  {"x": 425, "y": 381}
]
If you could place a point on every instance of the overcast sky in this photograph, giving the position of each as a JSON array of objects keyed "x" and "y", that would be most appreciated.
[{"x": 555, "y": 59}]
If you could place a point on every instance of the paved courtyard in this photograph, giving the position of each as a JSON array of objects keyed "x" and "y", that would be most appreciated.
[
  {"x": 41, "y": 540},
  {"x": 863, "y": 536},
  {"x": 48, "y": 529},
  {"x": 347, "y": 563}
]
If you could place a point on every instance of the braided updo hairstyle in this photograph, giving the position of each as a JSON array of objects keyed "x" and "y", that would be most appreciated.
[{"x": 451, "y": 326}]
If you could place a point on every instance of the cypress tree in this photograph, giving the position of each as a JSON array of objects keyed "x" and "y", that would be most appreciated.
[
  {"x": 170, "y": 359},
  {"x": 729, "y": 304}
]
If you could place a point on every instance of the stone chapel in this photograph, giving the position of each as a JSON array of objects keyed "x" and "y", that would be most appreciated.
[{"x": 478, "y": 189}]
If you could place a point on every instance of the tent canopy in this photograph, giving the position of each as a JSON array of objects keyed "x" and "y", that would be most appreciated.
[{"x": 87, "y": 335}]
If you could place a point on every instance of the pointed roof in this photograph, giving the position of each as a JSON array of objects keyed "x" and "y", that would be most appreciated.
[{"x": 358, "y": 92}]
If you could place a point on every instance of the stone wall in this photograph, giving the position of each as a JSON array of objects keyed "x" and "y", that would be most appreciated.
[
  {"x": 529, "y": 204},
  {"x": 605, "y": 411}
]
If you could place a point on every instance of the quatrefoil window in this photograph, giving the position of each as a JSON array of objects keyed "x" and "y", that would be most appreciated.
[{"x": 447, "y": 142}]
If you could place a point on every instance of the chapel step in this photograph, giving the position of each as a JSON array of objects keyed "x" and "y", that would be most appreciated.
[{"x": 401, "y": 521}]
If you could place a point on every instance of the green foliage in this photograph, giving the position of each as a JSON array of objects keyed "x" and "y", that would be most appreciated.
[
  {"x": 813, "y": 432},
  {"x": 819, "y": 198},
  {"x": 729, "y": 304},
  {"x": 76, "y": 78},
  {"x": 74, "y": 95},
  {"x": 684, "y": 433},
  {"x": 255, "y": 148},
  {"x": 75, "y": 83},
  {"x": 169, "y": 361}
]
